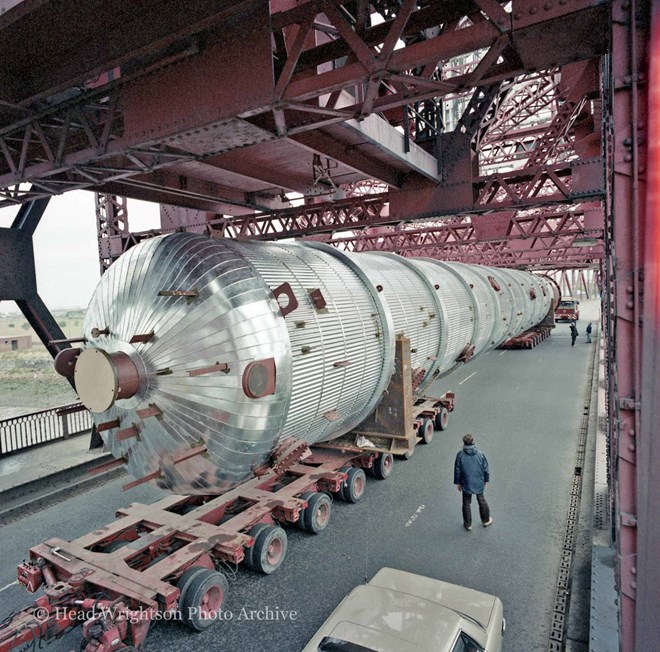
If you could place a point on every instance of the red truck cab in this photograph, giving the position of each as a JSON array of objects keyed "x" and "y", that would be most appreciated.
[{"x": 568, "y": 310}]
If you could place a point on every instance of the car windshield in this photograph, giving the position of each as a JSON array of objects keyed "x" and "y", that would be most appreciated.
[
  {"x": 466, "y": 643},
  {"x": 332, "y": 644},
  {"x": 566, "y": 304}
]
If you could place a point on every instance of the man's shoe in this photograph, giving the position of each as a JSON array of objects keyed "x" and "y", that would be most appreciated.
[
  {"x": 467, "y": 527},
  {"x": 488, "y": 522}
]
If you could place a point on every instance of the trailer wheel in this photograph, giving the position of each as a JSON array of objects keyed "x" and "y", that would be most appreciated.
[
  {"x": 340, "y": 493},
  {"x": 203, "y": 599},
  {"x": 383, "y": 465},
  {"x": 184, "y": 582},
  {"x": 115, "y": 545},
  {"x": 425, "y": 431},
  {"x": 442, "y": 419},
  {"x": 356, "y": 483},
  {"x": 301, "y": 520},
  {"x": 249, "y": 552},
  {"x": 316, "y": 515},
  {"x": 269, "y": 550}
]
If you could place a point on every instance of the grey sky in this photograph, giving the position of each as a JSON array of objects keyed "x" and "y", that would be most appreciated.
[{"x": 66, "y": 250}]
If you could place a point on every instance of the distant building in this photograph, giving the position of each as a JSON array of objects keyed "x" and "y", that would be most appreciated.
[{"x": 15, "y": 342}]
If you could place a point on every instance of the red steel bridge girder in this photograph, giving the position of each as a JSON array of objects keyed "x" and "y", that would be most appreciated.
[
  {"x": 516, "y": 133},
  {"x": 541, "y": 232},
  {"x": 648, "y": 478},
  {"x": 125, "y": 129},
  {"x": 626, "y": 229},
  {"x": 581, "y": 180}
]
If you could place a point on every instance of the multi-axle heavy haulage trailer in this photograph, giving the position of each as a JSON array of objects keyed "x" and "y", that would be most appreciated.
[
  {"x": 255, "y": 380},
  {"x": 164, "y": 561}
]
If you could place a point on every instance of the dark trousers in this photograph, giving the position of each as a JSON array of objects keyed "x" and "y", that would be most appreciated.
[
  {"x": 484, "y": 510},
  {"x": 573, "y": 338}
]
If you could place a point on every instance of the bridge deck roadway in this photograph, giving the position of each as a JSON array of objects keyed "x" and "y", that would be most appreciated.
[{"x": 524, "y": 408}]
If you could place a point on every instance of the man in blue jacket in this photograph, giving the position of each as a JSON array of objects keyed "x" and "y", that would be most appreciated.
[{"x": 471, "y": 476}]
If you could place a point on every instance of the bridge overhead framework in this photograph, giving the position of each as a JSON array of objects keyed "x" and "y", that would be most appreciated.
[{"x": 510, "y": 133}]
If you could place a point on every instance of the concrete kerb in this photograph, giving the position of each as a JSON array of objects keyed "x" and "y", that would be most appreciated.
[
  {"x": 54, "y": 487},
  {"x": 577, "y": 633}
]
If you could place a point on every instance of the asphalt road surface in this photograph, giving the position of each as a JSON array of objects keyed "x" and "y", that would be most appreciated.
[{"x": 524, "y": 409}]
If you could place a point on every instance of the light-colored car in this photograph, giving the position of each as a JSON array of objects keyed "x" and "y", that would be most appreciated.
[{"x": 402, "y": 612}]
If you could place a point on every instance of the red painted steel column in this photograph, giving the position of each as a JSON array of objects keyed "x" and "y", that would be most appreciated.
[
  {"x": 647, "y": 631},
  {"x": 626, "y": 217}
]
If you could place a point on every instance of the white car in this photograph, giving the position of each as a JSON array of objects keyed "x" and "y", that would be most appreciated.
[{"x": 402, "y": 612}]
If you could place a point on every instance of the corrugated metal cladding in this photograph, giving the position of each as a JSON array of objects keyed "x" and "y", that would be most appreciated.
[
  {"x": 324, "y": 322},
  {"x": 342, "y": 352}
]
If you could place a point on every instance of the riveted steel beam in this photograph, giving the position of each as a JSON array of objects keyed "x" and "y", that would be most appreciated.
[
  {"x": 103, "y": 134},
  {"x": 626, "y": 113}
]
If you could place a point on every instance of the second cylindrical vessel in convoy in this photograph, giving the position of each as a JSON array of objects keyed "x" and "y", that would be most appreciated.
[{"x": 226, "y": 348}]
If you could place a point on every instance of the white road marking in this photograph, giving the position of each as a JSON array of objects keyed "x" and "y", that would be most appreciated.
[
  {"x": 503, "y": 352},
  {"x": 468, "y": 378},
  {"x": 415, "y": 515},
  {"x": 8, "y": 585}
]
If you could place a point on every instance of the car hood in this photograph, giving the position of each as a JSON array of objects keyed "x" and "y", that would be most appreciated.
[
  {"x": 475, "y": 605},
  {"x": 385, "y": 619},
  {"x": 403, "y": 612}
]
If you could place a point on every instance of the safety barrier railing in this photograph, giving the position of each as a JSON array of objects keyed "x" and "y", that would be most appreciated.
[{"x": 26, "y": 430}]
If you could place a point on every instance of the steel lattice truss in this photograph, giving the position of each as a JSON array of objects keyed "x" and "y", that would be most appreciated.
[
  {"x": 466, "y": 238},
  {"x": 526, "y": 123},
  {"x": 97, "y": 137}
]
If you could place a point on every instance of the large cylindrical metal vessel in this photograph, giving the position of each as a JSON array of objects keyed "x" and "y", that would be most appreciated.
[{"x": 203, "y": 354}]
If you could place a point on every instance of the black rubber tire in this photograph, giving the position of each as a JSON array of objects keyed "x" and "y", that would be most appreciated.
[
  {"x": 441, "y": 419},
  {"x": 189, "y": 508},
  {"x": 316, "y": 515},
  {"x": 249, "y": 552},
  {"x": 355, "y": 485},
  {"x": 265, "y": 559},
  {"x": 192, "y": 603},
  {"x": 183, "y": 583},
  {"x": 115, "y": 545},
  {"x": 340, "y": 493},
  {"x": 383, "y": 465},
  {"x": 425, "y": 431},
  {"x": 155, "y": 560},
  {"x": 301, "y": 520}
]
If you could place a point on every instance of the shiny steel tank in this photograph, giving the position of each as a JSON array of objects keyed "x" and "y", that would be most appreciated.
[{"x": 203, "y": 354}]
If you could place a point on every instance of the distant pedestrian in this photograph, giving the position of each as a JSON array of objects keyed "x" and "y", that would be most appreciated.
[
  {"x": 589, "y": 333},
  {"x": 471, "y": 476},
  {"x": 574, "y": 333}
]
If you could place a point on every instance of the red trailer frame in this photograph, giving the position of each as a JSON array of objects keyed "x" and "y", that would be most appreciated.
[{"x": 160, "y": 560}]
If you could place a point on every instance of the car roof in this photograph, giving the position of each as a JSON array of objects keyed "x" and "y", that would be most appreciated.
[
  {"x": 403, "y": 612},
  {"x": 387, "y": 620},
  {"x": 476, "y": 605}
]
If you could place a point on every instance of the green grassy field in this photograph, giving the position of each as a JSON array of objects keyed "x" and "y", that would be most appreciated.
[{"x": 28, "y": 381}]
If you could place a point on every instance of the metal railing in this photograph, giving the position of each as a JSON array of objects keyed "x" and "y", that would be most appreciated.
[{"x": 26, "y": 430}]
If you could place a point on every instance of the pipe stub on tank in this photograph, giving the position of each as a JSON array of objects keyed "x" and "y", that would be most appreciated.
[{"x": 102, "y": 378}]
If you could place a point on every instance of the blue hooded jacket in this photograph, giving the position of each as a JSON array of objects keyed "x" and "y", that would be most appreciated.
[{"x": 471, "y": 470}]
